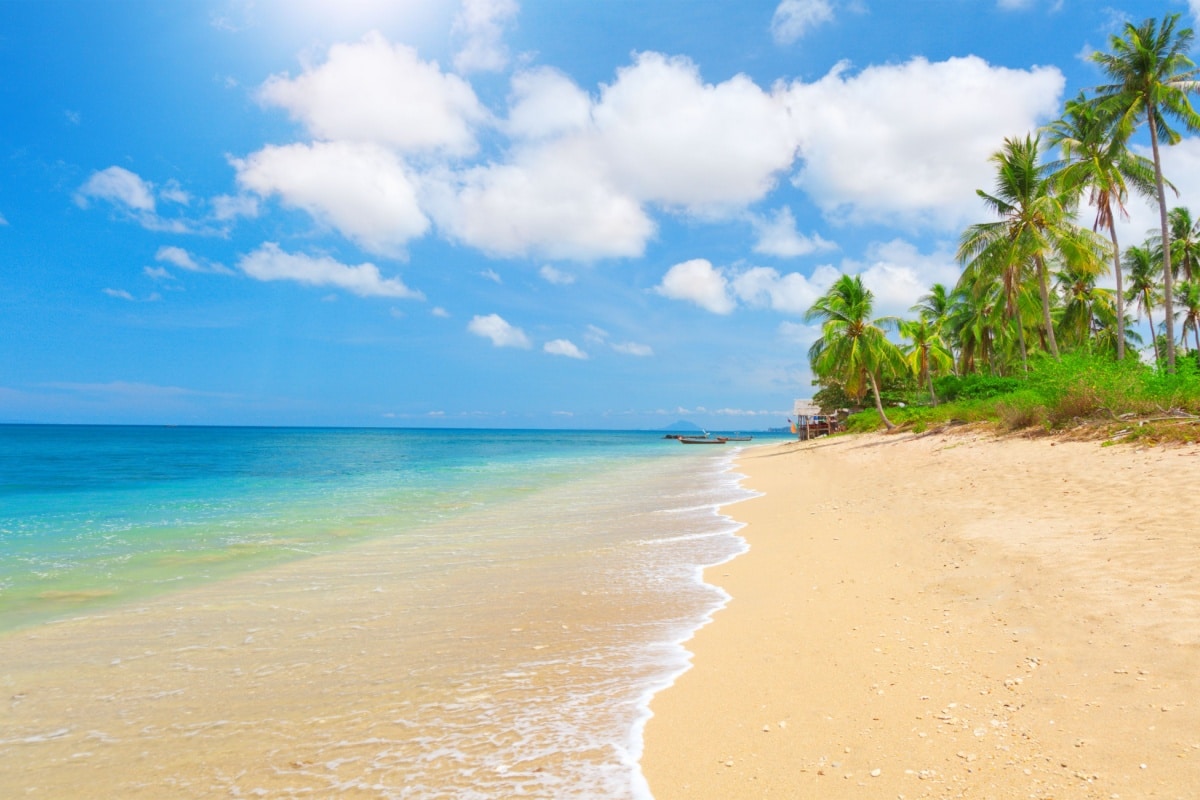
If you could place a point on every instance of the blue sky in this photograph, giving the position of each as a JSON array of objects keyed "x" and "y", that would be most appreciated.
[{"x": 491, "y": 213}]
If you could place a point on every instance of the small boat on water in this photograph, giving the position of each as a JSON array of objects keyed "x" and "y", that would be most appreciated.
[
  {"x": 739, "y": 438},
  {"x": 702, "y": 440}
]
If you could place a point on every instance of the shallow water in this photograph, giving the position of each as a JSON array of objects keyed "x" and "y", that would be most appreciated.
[{"x": 499, "y": 636}]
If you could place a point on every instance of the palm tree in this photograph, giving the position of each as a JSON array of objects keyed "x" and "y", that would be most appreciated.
[
  {"x": 1185, "y": 242},
  {"x": 853, "y": 349},
  {"x": 1096, "y": 160},
  {"x": 1086, "y": 310},
  {"x": 1034, "y": 224},
  {"x": 927, "y": 353},
  {"x": 1143, "y": 286},
  {"x": 1152, "y": 78},
  {"x": 1188, "y": 295}
]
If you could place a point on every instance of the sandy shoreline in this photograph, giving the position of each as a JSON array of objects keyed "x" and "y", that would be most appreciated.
[{"x": 948, "y": 616}]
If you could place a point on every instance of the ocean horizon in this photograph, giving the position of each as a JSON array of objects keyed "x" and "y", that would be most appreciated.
[{"x": 348, "y": 611}]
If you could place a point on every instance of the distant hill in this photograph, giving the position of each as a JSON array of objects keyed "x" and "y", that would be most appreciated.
[{"x": 683, "y": 425}]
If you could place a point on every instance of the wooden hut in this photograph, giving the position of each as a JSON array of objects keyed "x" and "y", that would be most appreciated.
[{"x": 810, "y": 422}]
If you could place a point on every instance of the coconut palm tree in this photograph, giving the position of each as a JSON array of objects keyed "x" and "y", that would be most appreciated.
[
  {"x": 1086, "y": 310},
  {"x": 1152, "y": 78},
  {"x": 1034, "y": 224},
  {"x": 1185, "y": 242},
  {"x": 1096, "y": 160},
  {"x": 1143, "y": 286},
  {"x": 927, "y": 352},
  {"x": 853, "y": 349},
  {"x": 1187, "y": 294}
]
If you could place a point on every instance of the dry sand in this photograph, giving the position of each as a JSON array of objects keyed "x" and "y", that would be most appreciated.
[{"x": 948, "y": 616}]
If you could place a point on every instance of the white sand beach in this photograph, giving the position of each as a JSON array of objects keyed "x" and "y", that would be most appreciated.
[{"x": 948, "y": 616}]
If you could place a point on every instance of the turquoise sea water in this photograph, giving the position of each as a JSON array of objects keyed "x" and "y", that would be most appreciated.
[{"x": 513, "y": 598}]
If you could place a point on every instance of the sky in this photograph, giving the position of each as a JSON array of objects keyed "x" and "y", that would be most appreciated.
[{"x": 494, "y": 213}]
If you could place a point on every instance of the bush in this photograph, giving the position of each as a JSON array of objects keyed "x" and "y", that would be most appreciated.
[{"x": 974, "y": 387}]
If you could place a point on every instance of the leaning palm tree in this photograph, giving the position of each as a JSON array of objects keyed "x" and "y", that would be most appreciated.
[
  {"x": 927, "y": 352},
  {"x": 1096, "y": 160},
  {"x": 853, "y": 349},
  {"x": 1143, "y": 287},
  {"x": 1034, "y": 223},
  {"x": 1152, "y": 78}
]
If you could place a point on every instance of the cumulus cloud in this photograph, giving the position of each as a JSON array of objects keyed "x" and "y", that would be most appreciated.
[
  {"x": 698, "y": 281},
  {"x": 898, "y": 274},
  {"x": 178, "y": 257},
  {"x": 794, "y": 18},
  {"x": 545, "y": 103},
  {"x": 669, "y": 138},
  {"x": 120, "y": 294},
  {"x": 777, "y": 236},
  {"x": 374, "y": 91},
  {"x": 270, "y": 263},
  {"x": 553, "y": 201},
  {"x": 793, "y": 293},
  {"x": 563, "y": 347},
  {"x": 361, "y": 189},
  {"x": 118, "y": 186},
  {"x": 502, "y": 334},
  {"x": 868, "y": 156},
  {"x": 481, "y": 23}
]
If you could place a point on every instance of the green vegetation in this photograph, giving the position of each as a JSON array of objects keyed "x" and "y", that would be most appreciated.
[{"x": 1029, "y": 338}]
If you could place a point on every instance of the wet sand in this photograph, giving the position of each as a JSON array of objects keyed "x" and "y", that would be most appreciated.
[{"x": 948, "y": 616}]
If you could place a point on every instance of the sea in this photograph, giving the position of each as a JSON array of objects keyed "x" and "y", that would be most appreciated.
[{"x": 347, "y": 613}]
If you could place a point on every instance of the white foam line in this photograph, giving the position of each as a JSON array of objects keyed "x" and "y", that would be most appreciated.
[{"x": 640, "y": 786}]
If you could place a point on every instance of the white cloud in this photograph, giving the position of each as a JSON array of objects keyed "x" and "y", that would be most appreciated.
[
  {"x": 120, "y": 294},
  {"x": 794, "y": 18},
  {"x": 377, "y": 92},
  {"x": 3, "y": 221},
  {"x": 555, "y": 276},
  {"x": 563, "y": 347},
  {"x": 440, "y": 312},
  {"x": 698, "y": 281},
  {"x": 778, "y": 236},
  {"x": 158, "y": 273},
  {"x": 546, "y": 103},
  {"x": 182, "y": 259},
  {"x": 362, "y": 190},
  {"x": 173, "y": 192},
  {"x": 633, "y": 349},
  {"x": 270, "y": 263},
  {"x": 227, "y": 207},
  {"x": 553, "y": 201},
  {"x": 792, "y": 293},
  {"x": 482, "y": 23},
  {"x": 898, "y": 274},
  {"x": 908, "y": 142},
  {"x": 595, "y": 334},
  {"x": 491, "y": 275},
  {"x": 671, "y": 139},
  {"x": 494, "y": 327},
  {"x": 1181, "y": 166},
  {"x": 119, "y": 186}
]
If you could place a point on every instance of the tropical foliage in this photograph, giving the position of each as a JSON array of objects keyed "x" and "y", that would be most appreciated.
[{"x": 1032, "y": 333}]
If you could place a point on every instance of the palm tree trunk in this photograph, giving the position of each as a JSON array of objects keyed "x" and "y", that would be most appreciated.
[
  {"x": 932, "y": 395},
  {"x": 1021, "y": 342},
  {"x": 1168, "y": 305},
  {"x": 1044, "y": 289},
  {"x": 879, "y": 403},
  {"x": 1112, "y": 229},
  {"x": 1153, "y": 335}
]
